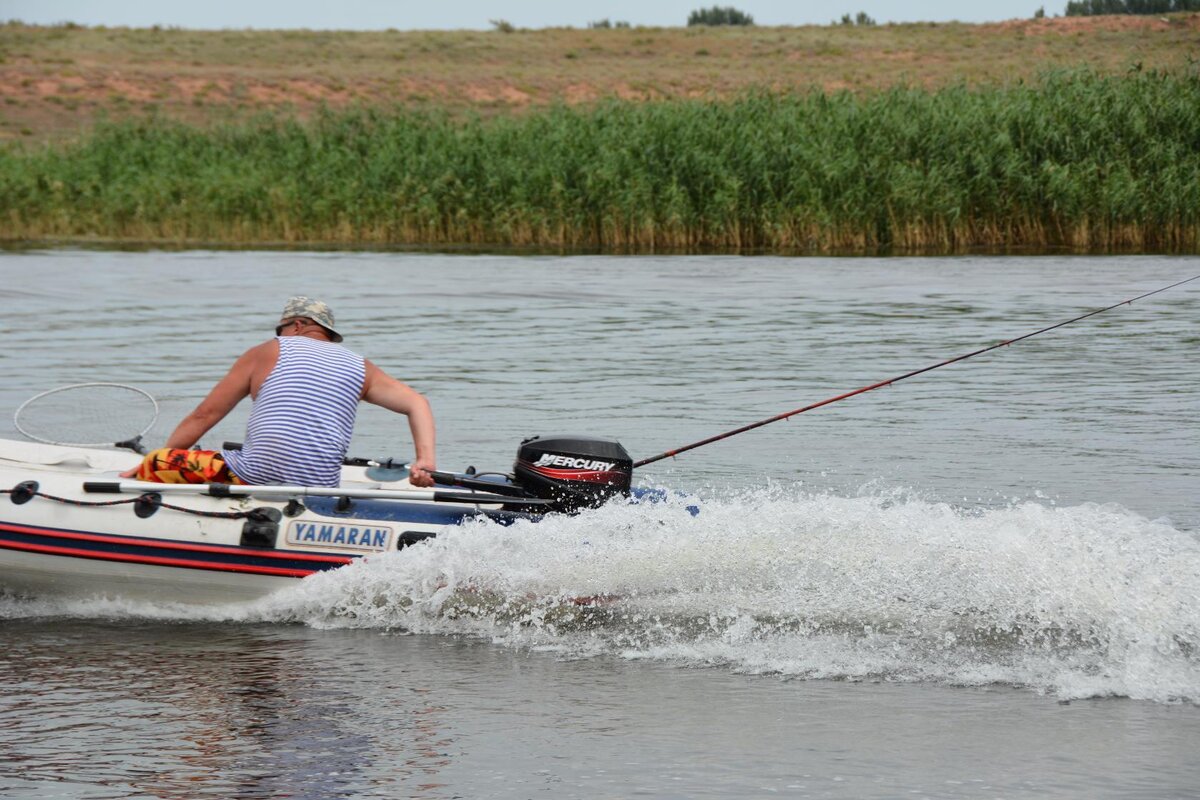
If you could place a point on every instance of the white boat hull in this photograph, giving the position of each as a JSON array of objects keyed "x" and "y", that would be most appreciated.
[
  {"x": 37, "y": 575},
  {"x": 59, "y": 541}
]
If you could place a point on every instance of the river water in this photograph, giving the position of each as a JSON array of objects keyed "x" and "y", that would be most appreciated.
[{"x": 980, "y": 582}]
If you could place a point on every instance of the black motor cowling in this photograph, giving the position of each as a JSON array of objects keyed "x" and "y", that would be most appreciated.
[{"x": 573, "y": 471}]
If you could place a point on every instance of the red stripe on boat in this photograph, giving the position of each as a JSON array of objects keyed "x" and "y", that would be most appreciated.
[
  {"x": 128, "y": 558},
  {"x": 168, "y": 544}
]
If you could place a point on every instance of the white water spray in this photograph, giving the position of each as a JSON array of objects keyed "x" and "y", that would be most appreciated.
[{"x": 1084, "y": 601}]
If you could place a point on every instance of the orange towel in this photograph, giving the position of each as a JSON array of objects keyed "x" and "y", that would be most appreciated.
[{"x": 167, "y": 465}]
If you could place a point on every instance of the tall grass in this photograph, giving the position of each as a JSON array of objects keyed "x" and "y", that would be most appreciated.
[{"x": 1077, "y": 160}]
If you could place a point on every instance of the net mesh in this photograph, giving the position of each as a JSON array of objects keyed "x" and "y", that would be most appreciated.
[{"x": 87, "y": 414}]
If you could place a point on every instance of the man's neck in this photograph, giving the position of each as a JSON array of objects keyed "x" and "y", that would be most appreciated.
[{"x": 318, "y": 335}]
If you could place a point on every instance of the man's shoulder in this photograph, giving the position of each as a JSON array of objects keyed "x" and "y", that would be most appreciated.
[
  {"x": 269, "y": 347},
  {"x": 264, "y": 353}
]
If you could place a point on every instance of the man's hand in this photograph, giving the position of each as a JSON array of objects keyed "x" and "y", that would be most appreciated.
[
  {"x": 418, "y": 473},
  {"x": 131, "y": 472}
]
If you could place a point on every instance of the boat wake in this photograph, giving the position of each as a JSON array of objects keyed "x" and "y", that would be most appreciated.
[{"x": 1084, "y": 601}]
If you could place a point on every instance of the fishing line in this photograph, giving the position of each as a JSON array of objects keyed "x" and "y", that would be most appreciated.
[{"x": 897, "y": 379}]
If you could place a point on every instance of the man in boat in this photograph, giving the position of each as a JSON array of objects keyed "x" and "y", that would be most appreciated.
[{"x": 306, "y": 388}]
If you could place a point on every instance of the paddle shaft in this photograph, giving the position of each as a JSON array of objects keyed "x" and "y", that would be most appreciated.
[
  {"x": 444, "y": 478},
  {"x": 240, "y": 490},
  {"x": 897, "y": 379}
]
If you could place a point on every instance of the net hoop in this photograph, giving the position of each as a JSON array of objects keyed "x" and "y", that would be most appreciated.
[{"x": 131, "y": 441}]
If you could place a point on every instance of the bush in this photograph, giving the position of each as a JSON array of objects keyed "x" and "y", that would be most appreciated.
[
  {"x": 862, "y": 18},
  {"x": 1088, "y": 8},
  {"x": 718, "y": 15}
]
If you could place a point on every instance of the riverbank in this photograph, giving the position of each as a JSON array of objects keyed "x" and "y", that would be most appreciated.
[
  {"x": 55, "y": 82},
  {"x": 968, "y": 151},
  {"x": 1074, "y": 161}
]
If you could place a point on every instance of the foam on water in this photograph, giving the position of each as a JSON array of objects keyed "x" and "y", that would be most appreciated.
[{"x": 1082, "y": 601}]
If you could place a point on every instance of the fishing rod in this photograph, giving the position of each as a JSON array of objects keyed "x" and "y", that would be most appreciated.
[{"x": 897, "y": 379}]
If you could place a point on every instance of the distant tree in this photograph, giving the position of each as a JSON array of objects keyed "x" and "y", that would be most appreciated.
[
  {"x": 502, "y": 25},
  {"x": 1089, "y": 8},
  {"x": 1040, "y": 13},
  {"x": 862, "y": 18},
  {"x": 718, "y": 15},
  {"x": 604, "y": 24}
]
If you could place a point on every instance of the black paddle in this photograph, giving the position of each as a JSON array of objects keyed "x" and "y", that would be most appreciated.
[{"x": 378, "y": 470}]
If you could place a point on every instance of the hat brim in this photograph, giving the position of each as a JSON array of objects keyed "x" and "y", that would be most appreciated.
[{"x": 334, "y": 336}]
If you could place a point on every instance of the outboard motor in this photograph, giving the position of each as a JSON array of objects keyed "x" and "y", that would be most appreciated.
[{"x": 573, "y": 471}]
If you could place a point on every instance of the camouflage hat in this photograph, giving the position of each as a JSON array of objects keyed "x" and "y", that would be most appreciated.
[{"x": 306, "y": 308}]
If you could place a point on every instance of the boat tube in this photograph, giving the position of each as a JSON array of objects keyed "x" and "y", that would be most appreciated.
[{"x": 71, "y": 527}]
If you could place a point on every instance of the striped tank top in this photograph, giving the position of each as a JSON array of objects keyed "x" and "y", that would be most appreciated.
[{"x": 302, "y": 420}]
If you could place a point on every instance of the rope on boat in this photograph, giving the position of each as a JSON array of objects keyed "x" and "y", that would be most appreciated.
[{"x": 144, "y": 504}]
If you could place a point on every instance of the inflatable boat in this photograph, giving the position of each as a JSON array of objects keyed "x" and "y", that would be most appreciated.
[{"x": 70, "y": 526}]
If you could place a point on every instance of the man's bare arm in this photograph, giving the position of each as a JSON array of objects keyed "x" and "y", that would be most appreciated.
[
  {"x": 228, "y": 392},
  {"x": 383, "y": 390}
]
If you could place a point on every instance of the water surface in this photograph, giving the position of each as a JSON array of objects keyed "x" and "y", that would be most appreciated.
[{"x": 980, "y": 582}]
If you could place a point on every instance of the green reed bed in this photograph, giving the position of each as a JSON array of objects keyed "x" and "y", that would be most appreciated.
[{"x": 1077, "y": 160}]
